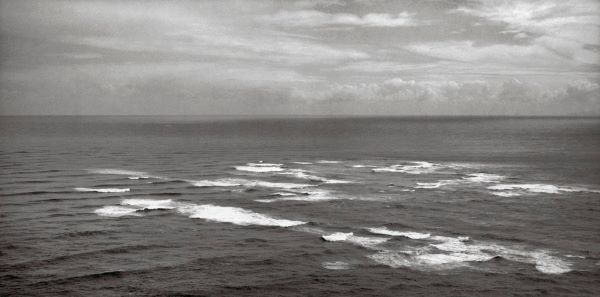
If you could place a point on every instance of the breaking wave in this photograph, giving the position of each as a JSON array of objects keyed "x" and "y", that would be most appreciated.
[
  {"x": 358, "y": 240},
  {"x": 116, "y": 211},
  {"x": 328, "y": 162},
  {"x": 149, "y": 203},
  {"x": 303, "y": 174},
  {"x": 337, "y": 265},
  {"x": 102, "y": 190},
  {"x": 260, "y": 167},
  {"x": 451, "y": 252},
  {"x": 233, "y": 215},
  {"x": 409, "y": 234},
  {"x": 234, "y": 182},
  {"x": 414, "y": 167},
  {"x": 483, "y": 178},
  {"x": 509, "y": 190},
  {"x": 310, "y": 196},
  {"x": 209, "y": 212}
]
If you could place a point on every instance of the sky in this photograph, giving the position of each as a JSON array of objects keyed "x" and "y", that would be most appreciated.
[{"x": 322, "y": 57}]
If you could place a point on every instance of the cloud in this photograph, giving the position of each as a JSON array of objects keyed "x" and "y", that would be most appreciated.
[
  {"x": 185, "y": 29},
  {"x": 510, "y": 96},
  {"x": 467, "y": 51},
  {"x": 564, "y": 27},
  {"x": 315, "y": 18}
]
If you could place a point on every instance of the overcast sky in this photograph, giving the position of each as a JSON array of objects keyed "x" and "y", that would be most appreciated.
[{"x": 300, "y": 57}]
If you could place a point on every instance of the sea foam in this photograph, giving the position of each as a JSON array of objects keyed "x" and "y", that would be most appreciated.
[
  {"x": 234, "y": 182},
  {"x": 102, "y": 190},
  {"x": 363, "y": 241},
  {"x": 310, "y": 196},
  {"x": 484, "y": 178},
  {"x": 414, "y": 167},
  {"x": 116, "y": 211},
  {"x": 508, "y": 190},
  {"x": 260, "y": 167},
  {"x": 409, "y": 234},
  {"x": 450, "y": 252},
  {"x": 149, "y": 203},
  {"x": 303, "y": 174},
  {"x": 337, "y": 265},
  {"x": 209, "y": 212},
  {"x": 233, "y": 215}
]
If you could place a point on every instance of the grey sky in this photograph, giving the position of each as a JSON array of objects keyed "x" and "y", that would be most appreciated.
[{"x": 300, "y": 57}]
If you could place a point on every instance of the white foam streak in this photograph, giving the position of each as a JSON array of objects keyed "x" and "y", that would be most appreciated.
[
  {"x": 363, "y": 166},
  {"x": 149, "y": 204},
  {"x": 434, "y": 185},
  {"x": 233, "y": 215},
  {"x": 264, "y": 164},
  {"x": 259, "y": 168},
  {"x": 508, "y": 190},
  {"x": 116, "y": 211},
  {"x": 483, "y": 178},
  {"x": 133, "y": 175},
  {"x": 138, "y": 177},
  {"x": 310, "y": 196},
  {"x": 409, "y": 234},
  {"x": 303, "y": 174},
  {"x": 328, "y": 162},
  {"x": 358, "y": 240},
  {"x": 449, "y": 252},
  {"x": 506, "y": 194},
  {"x": 337, "y": 265},
  {"x": 224, "y": 214},
  {"x": 416, "y": 167},
  {"x": 103, "y": 190},
  {"x": 234, "y": 182},
  {"x": 216, "y": 183},
  {"x": 117, "y": 172}
]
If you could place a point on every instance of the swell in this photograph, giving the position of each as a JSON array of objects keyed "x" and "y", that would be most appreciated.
[
  {"x": 82, "y": 255},
  {"x": 30, "y": 193}
]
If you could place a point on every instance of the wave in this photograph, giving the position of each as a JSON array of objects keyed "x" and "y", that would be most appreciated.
[
  {"x": 149, "y": 204},
  {"x": 434, "y": 185},
  {"x": 507, "y": 194},
  {"x": 116, "y": 211},
  {"x": 508, "y": 190},
  {"x": 233, "y": 182},
  {"x": 328, "y": 162},
  {"x": 260, "y": 167},
  {"x": 210, "y": 212},
  {"x": 363, "y": 166},
  {"x": 103, "y": 190},
  {"x": 303, "y": 174},
  {"x": 216, "y": 183},
  {"x": 261, "y": 164},
  {"x": 233, "y": 215},
  {"x": 117, "y": 172},
  {"x": 358, "y": 240},
  {"x": 409, "y": 234},
  {"x": 302, "y": 163},
  {"x": 310, "y": 196},
  {"x": 138, "y": 177},
  {"x": 483, "y": 178},
  {"x": 413, "y": 167},
  {"x": 133, "y": 175},
  {"x": 451, "y": 252},
  {"x": 337, "y": 265}
]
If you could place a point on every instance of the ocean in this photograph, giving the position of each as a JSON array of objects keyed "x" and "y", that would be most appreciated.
[{"x": 302, "y": 206}]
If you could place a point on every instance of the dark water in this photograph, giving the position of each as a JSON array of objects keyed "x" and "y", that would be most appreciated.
[{"x": 112, "y": 206}]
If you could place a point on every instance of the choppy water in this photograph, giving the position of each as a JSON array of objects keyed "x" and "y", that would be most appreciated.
[{"x": 101, "y": 206}]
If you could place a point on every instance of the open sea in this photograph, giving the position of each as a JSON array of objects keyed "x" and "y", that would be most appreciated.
[{"x": 226, "y": 206}]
